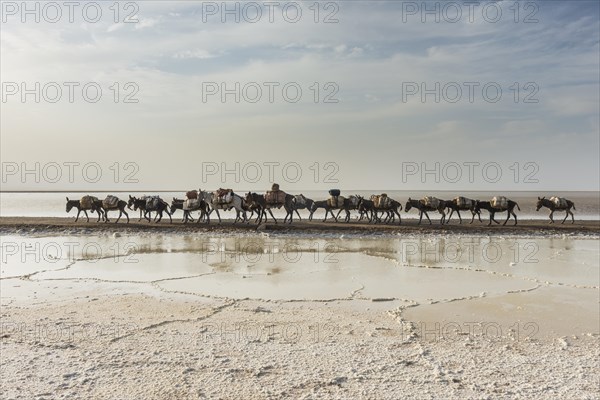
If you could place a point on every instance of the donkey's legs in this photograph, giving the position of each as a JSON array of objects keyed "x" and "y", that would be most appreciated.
[
  {"x": 507, "y": 216},
  {"x": 120, "y": 213},
  {"x": 338, "y": 214},
  {"x": 459, "y": 217},
  {"x": 272, "y": 216},
  {"x": 86, "y": 215},
  {"x": 450, "y": 215},
  {"x": 572, "y": 216},
  {"x": 566, "y": 216},
  {"x": 551, "y": 215},
  {"x": 514, "y": 215},
  {"x": 105, "y": 216},
  {"x": 78, "y": 212},
  {"x": 492, "y": 215},
  {"x": 399, "y": 217},
  {"x": 297, "y": 213}
]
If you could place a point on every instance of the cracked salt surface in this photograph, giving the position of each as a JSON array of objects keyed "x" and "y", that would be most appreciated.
[{"x": 182, "y": 315}]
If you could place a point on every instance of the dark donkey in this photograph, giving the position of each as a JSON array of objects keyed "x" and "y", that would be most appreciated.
[
  {"x": 93, "y": 207},
  {"x": 487, "y": 205},
  {"x": 177, "y": 204},
  {"x": 301, "y": 202},
  {"x": 118, "y": 205},
  {"x": 464, "y": 205},
  {"x": 566, "y": 206},
  {"x": 159, "y": 207},
  {"x": 390, "y": 206},
  {"x": 423, "y": 208},
  {"x": 328, "y": 209},
  {"x": 259, "y": 203}
]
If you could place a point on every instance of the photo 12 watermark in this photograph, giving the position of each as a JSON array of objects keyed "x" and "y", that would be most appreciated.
[
  {"x": 61, "y": 333},
  {"x": 41, "y": 251},
  {"x": 253, "y": 172},
  {"x": 471, "y": 172},
  {"x": 255, "y": 251},
  {"x": 73, "y": 12},
  {"x": 70, "y": 92},
  {"x": 249, "y": 331},
  {"x": 471, "y": 92},
  {"x": 491, "y": 12},
  {"x": 252, "y": 12},
  {"x": 453, "y": 331},
  {"x": 70, "y": 172},
  {"x": 270, "y": 92},
  {"x": 464, "y": 252}
]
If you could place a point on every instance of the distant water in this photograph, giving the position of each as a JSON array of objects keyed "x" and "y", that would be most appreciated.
[{"x": 52, "y": 204}]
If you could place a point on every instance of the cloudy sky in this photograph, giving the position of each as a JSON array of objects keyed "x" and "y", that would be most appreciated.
[{"x": 387, "y": 93}]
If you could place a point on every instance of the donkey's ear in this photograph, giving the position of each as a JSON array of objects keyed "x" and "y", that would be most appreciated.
[
  {"x": 543, "y": 197},
  {"x": 67, "y": 199}
]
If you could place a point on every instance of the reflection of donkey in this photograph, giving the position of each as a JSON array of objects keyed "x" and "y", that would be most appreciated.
[
  {"x": 464, "y": 205},
  {"x": 92, "y": 206},
  {"x": 566, "y": 206},
  {"x": 119, "y": 205},
  {"x": 509, "y": 208},
  {"x": 423, "y": 208}
]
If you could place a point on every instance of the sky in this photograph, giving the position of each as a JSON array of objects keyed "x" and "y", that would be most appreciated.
[{"x": 352, "y": 94}]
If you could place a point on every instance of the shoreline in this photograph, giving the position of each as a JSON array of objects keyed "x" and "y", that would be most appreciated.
[{"x": 54, "y": 225}]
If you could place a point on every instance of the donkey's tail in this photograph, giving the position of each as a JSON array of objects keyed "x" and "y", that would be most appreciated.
[
  {"x": 574, "y": 207},
  {"x": 517, "y": 204}
]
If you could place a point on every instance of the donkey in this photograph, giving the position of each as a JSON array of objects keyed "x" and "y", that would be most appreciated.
[
  {"x": 323, "y": 204},
  {"x": 260, "y": 202},
  {"x": 177, "y": 204},
  {"x": 468, "y": 205},
  {"x": 367, "y": 208},
  {"x": 237, "y": 203},
  {"x": 77, "y": 204},
  {"x": 142, "y": 205},
  {"x": 423, "y": 208},
  {"x": 301, "y": 202},
  {"x": 486, "y": 205},
  {"x": 120, "y": 205},
  {"x": 391, "y": 209},
  {"x": 253, "y": 207},
  {"x": 544, "y": 202},
  {"x": 349, "y": 203}
]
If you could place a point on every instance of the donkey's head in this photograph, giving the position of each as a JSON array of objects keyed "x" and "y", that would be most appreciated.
[
  {"x": 540, "y": 203},
  {"x": 249, "y": 199},
  {"x": 131, "y": 201},
  {"x": 70, "y": 204},
  {"x": 408, "y": 205}
]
